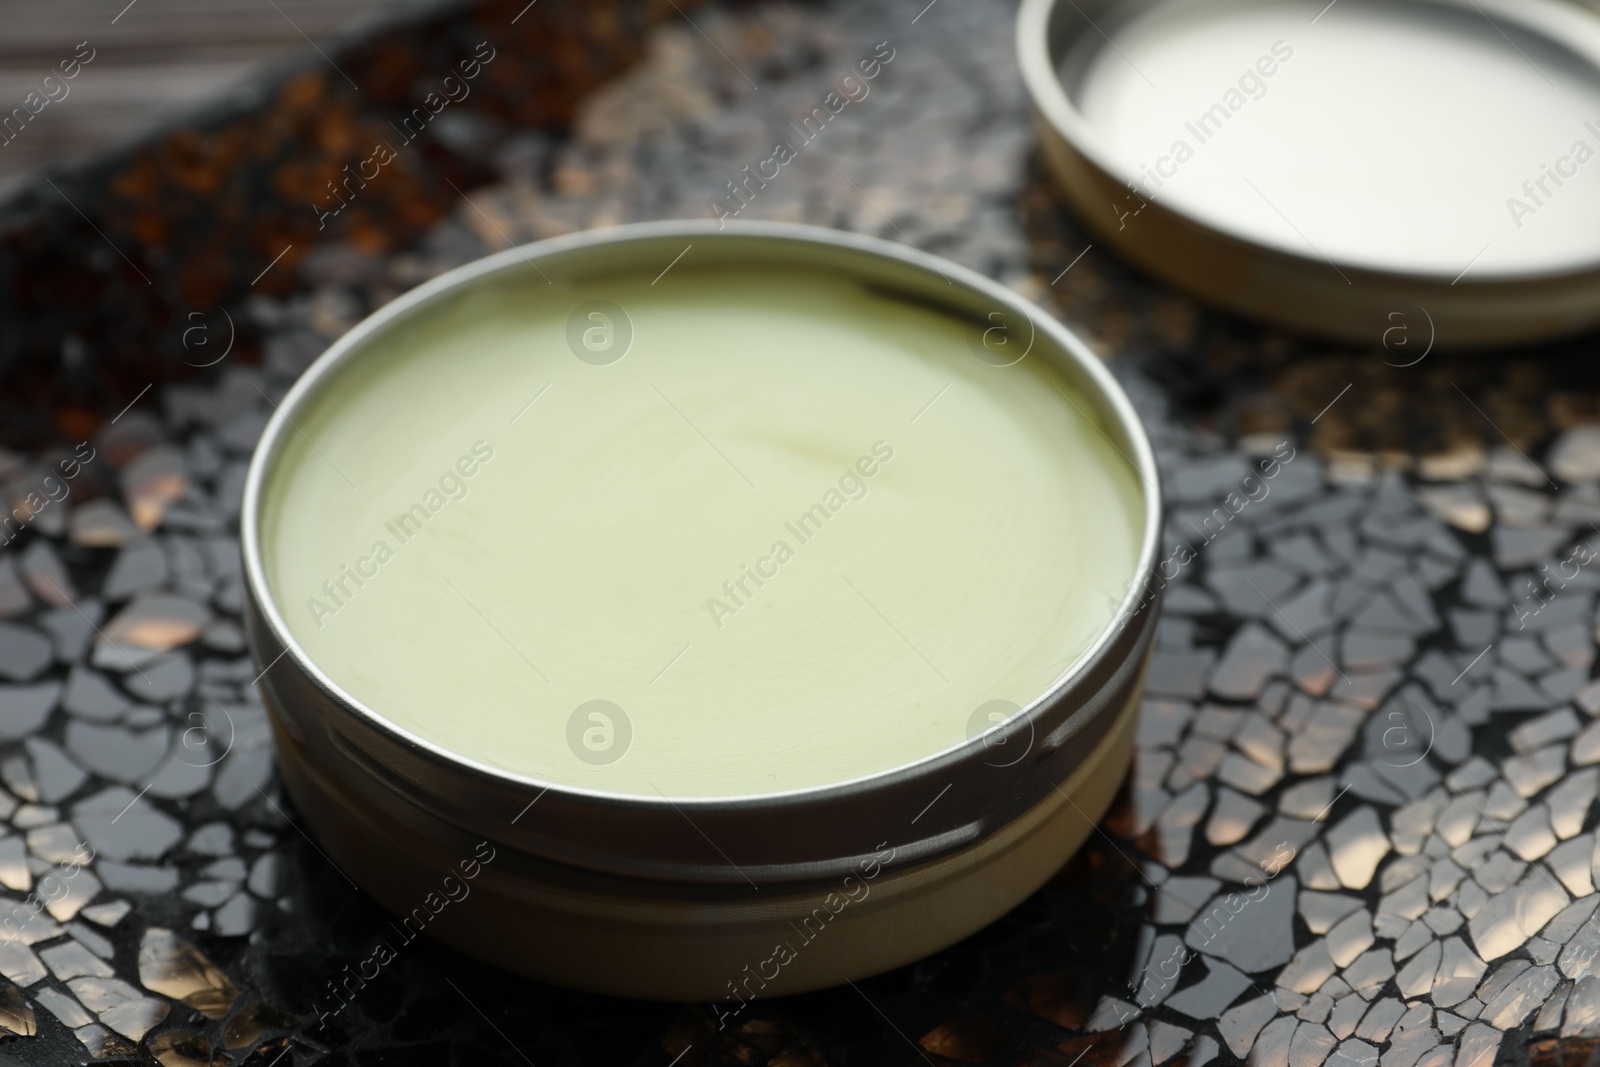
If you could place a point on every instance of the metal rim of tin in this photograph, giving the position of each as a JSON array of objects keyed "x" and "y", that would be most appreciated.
[
  {"x": 796, "y": 837},
  {"x": 1280, "y": 283}
]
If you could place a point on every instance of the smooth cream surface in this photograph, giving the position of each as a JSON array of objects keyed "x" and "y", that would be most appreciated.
[
  {"x": 1406, "y": 135},
  {"x": 601, "y": 546}
]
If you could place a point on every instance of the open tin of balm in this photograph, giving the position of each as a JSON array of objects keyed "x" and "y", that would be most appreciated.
[
  {"x": 1345, "y": 168},
  {"x": 746, "y": 610}
]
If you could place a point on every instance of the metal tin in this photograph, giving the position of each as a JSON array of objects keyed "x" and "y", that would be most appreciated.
[
  {"x": 1395, "y": 175},
  {"x": 626, "y": 894}
]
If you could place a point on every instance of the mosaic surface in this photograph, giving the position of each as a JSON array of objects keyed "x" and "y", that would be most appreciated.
[{"x": 1360, "y": 825}]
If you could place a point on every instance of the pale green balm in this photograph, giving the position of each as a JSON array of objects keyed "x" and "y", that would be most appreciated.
[{"x": 797, "y": 534}]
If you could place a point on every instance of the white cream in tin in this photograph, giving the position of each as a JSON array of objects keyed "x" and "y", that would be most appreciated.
[{"x": 1420, "y": 136}]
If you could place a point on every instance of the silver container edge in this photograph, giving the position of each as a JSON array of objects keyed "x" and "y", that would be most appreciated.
[{"x": 641, "y": 845}]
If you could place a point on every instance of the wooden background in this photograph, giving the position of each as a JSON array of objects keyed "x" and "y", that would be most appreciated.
[{"x": 154, "y": 60}]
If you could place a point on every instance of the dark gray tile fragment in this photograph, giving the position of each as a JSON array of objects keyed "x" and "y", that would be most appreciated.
[
  {"x": 212, "y": 839},
  {"x": 1305, "y": 615},
  {"x": 14, "y": 596},
  {"x": 72, "y": 628},
  {"x": 1188, "y": 599},
  {"x": 1253, "y": 655},
  {"x": 1304, "y": 553},
  {"x": 56, "y": 777},
  {"x": 1341, "y": 542},
  {"x": 223, "y": 636},
  {"x": 265, "y": 876},
  {"x": 210, "y": 894},
  {"x": 1366, "y": 783},
  {"x": 1378, "y": 567},
  {"x": 1385, "y": 615},
  {"x": 1365, "y": 690},
  {"x": 46, "y": 575},
  {"x": 1365, "y": 651},
  {"x": 1481, "y": 585},
  {"x": 1162, "y": 722},
  {"x": 162, "y": 678},
  {"x": 1250, "y": 590},
  {"x": 1434, "y": 573},
  {"x": 236, "y": 917},
  {"x": 1350, "y": 598},
  {"x": 1179, "y": 674},
  {"x": 137, "y": 878},
  {"x": 1208, "y": 479},
  {"x": 101, "y": 524},
  {"x": 118, "y": 753},
  {"x": 184, "y": 773},
  {"x": 1518, "y": 507},
  {"x": 1519, "y": 546},
  {"x": 140, "y": 567},
  {"x": 24, "y": 708},
  {"x": 24, "y": 652},
  {"x": 122, "y": 826},
  {"x": 248, "y": 767},
  {"x": 1213, "y": 994},
  {"x": 1474, "y": 629},
  {"x": 1474, "y": 710},
  {"x": 90, "y": 696},
  {"x": 1513, "y": 692},
  {"x": 1571, "y": 645},
  {"x": 1252, "y": 935},
  {"x": 1564, "y": 683},
  {"x": 1523, "y": 654}
]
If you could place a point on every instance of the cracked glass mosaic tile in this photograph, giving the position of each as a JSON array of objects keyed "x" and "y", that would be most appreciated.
[{"x": 1359, "y": 827}]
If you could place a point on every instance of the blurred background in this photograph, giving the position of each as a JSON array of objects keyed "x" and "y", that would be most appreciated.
[{"x": 154, "y": 59}]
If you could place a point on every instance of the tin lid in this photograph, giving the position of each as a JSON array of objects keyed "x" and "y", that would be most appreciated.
[{"x": 1332, "y": 166}]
